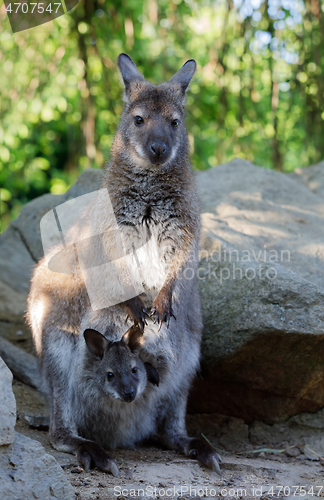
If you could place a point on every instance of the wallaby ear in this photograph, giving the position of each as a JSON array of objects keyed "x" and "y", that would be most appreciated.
[
  {"x": 133, "y": 338},
  {"x": 153, "y": 375},
  {"x": 183, "y": 76},
  {"x": 128, "y": 71},
  {"x": 96, "y": 343}
]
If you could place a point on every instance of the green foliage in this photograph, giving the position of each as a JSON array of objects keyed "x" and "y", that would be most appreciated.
[{"x": 61, "y": 91}]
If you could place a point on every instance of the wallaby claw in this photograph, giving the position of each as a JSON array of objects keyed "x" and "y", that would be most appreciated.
[
  {"x": 172, "y": 314},
  {"x": 205, "y": 454},
  {"x": 162, "y": 316},
  {"x": 146, "y": 313},
  {"x": 85, "y": 461},
  {"x": 136, "y": 312},
  {"x": 141, "y": 323},
  {"x": 215, "y": 465},
  {"x": 90, "y": 455},
  {"x": 113, "y": 469}
]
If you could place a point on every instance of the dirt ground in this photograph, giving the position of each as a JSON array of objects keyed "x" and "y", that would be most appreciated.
[{"x": 150, "y": 472}]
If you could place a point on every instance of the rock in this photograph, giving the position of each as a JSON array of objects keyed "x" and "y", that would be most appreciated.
[
  {"x": 24, "y": 366},
  {"x": 303, "y": 433},
  {"x": 28, "y": 222},
  {"x": 224, "y": 432},
  {"x": 21, "y": 247},
  {"x": 293, "y": 451},
  {"x": 311, "y": 420},
  {"x": 7, "y": 406},
  {"x": 27, "y": 471},
  {"x": 39, "y": 422},
  {"x": 16, "y": 265},
  {"x": 263, "y": 308},
  {"x": 262, "y": 342},
  {"x": 262, "y": 215},
  {"x": 12, "y": 304},
  {"x": 312, "y": 177}
]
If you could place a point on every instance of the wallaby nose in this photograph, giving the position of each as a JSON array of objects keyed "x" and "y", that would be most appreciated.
[
  {"x": 158, "y": 148},
  {"x": 129, "y": 395}
]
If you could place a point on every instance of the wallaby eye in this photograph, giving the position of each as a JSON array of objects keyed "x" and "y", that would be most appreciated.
[
  {"x": 110, "y": 375},
  {"x": 175, "y": 123},
  {"x": 138, "y": 120},
  {"x": 134, "y": 370}
]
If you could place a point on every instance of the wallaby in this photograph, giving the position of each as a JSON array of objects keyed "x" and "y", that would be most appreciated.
[
  {"x": 106, "y": 375},
  {"x": 152, "y": 191},
  {"x": 150, "y": 181}
]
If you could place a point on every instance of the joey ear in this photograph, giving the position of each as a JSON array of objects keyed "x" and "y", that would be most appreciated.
[
  {"x": 153, "y": 375},
  {"x": 96, "y": 343},
  {"x": 183, "y": 76},
  {"x": 133, "y": 338},
  {"x": 128, "y": 71}
]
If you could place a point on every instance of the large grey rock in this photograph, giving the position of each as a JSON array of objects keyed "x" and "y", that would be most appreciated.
[
  {"x": 28, "y": 472},
  {"x": 16, "y": 266},
  {"x": 312, "y": 177},
  {"x": 262, "y": 343},
  {"x": 7, "y": 406},
  {"x": 262, "y": 289},
  {"x": 265, "y": 215},
  {"x": 21, "y": 247},
  {"x": 24, "y": 366},
  {"x": 28, "y": 222}
]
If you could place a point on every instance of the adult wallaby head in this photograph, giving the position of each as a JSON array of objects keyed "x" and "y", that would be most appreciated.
[
  {"x": 152, "y": 128},
  {"x": 118, "y": 368}
]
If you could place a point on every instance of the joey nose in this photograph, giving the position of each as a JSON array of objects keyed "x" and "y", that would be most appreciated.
[
  {"x": 158, "y": 148},
  {"x": 129, "y": 395}
]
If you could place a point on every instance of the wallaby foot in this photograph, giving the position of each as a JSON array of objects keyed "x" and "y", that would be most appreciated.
[
  {"x": 162, "y": 307},
  {"x": 136, "y": 311},
  {"x": 194, "y": 448},
  {"x": 205, "y": 454},
  {"x": 90, "y": 455}
]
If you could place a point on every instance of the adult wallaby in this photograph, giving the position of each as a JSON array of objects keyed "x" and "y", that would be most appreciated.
[{"x": 151, "y": 188}]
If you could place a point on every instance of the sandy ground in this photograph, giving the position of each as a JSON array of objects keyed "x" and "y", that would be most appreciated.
[{"x": 150, "y": 472}]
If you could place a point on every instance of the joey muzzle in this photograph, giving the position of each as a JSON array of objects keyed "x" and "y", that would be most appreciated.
[{"x": 129, "y": 394}]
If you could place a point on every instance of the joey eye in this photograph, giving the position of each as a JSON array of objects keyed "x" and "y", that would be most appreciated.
[
  {"x": 134, "y": 370},
  {"x": 110, "y": 375},
  {"x": 174, "y": 123},
  {"x": 138, "y": 120}
]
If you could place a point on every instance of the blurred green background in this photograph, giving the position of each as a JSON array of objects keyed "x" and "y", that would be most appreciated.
[{"x": 257, "y": 94}]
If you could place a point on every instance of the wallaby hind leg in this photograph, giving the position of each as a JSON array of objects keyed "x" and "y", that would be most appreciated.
[
  {"x": 64, "y": 437},
  {"x": 174, "y": 436}
]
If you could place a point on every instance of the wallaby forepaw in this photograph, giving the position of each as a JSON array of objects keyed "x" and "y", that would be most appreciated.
[
  {"x": 91, "y": 455},
  {"x": 162, "y": 309},
  {"x": 137, "y": 312},
  {"x": 205, "y": 454}
]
